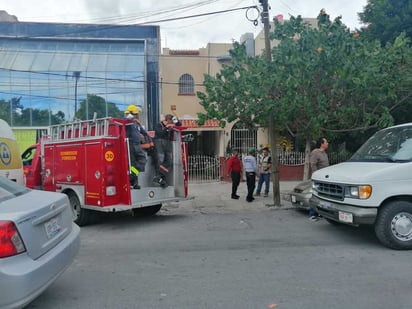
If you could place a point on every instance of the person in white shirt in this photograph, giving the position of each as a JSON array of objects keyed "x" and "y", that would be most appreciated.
[{"x": 250, "y": 167}]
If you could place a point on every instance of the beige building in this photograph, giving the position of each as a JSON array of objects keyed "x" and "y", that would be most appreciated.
[{"x": 182, "y": 75}]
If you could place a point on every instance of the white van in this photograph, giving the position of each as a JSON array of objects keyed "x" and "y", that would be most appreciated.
[
  {"x": 10, "y": 160},
  {"x": 374, "y": 187}
]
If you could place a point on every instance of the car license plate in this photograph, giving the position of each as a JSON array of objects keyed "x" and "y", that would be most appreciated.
[
  {"x": 293, "y": 199},
  {"x": 345, "y": 217},
  {"x": 52, "y": 228}
]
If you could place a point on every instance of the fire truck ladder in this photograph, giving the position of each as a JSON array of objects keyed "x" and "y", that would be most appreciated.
[{"x": 80, "y": 129}]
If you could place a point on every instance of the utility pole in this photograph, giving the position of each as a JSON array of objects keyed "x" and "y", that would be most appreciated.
[
  {"x": 273, "y": 134},
  {"x": 76, "y": 75}
]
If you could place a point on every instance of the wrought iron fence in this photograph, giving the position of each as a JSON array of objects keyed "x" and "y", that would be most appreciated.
[
  {"x": 291, "y": 157},
  {"x": 338, "y": 157},
  {"x": 298, "y": 158},
  {"x": 203, "y": 168}
]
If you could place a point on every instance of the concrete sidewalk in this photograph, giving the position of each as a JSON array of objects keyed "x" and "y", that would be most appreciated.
[{"x": 217, "y": 196}]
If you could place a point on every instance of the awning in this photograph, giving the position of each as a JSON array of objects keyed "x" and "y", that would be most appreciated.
[{"x": 209, "y": 125}]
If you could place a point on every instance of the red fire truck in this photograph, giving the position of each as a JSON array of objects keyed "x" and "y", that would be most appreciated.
[{"x": 89, "y": 161}]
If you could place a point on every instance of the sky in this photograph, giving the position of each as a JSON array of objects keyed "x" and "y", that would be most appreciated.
[{"x": 184, "y": 33}]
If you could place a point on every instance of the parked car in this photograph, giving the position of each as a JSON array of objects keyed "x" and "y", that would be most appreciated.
[
  {"x": 301, "y": 195},
  {"x": 38, "y": 241}
]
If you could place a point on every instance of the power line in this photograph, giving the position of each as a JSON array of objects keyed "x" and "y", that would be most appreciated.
[
  {"x": 92, "y": 28},
  {"x": 198, "y": 15},
  {"x": 151, "y": 13},
  {"x": 88, "y": 77}
]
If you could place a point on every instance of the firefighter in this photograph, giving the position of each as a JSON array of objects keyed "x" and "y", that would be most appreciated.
[
  {"x": 164, "y": 146},
  {"x": 136, "y": 153}
]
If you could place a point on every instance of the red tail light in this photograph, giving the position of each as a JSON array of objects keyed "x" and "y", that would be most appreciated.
[
  {"x": 110, "y": 180},
  {"x": 110, "y": 175},
  {"x": 10, "y": 240}
]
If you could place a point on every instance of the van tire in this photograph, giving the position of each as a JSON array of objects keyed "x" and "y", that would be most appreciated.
[
  {"x": 81, "y": 216},
  {"x": 147, "y": 211},
  {"x": 393, "y": 225}
]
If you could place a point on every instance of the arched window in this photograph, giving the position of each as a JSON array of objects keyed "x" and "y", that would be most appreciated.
[{"x": 186, "y": 84}]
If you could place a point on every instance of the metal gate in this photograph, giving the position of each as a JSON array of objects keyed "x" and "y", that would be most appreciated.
[
  {"x": 243, "y": 139},
  {"x": 203, "y": 168}
]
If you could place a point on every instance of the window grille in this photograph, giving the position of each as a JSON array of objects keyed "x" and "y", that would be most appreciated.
[
  {"x": 186, "y": 84},
  {"x": 243, "y": 139}
]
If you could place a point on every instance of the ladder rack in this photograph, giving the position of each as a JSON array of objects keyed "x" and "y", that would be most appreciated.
[{"x": 84, "y": 129}]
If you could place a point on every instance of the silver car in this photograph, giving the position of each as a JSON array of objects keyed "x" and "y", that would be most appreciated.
[
  {"x": 301, "y": 194},
  {"x": 38, "y": 241}
]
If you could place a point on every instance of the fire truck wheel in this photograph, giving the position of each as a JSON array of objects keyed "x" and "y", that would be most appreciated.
[
  {"x": 81, "y": 216},
  {"x": 147, "y": 211}
]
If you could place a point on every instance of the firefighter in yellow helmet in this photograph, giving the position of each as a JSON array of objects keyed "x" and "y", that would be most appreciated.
[
  {"x": 136, "y": 153},
  {"x": 132, "y": 110}
]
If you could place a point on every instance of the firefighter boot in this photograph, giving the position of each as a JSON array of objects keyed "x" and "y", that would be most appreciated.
[{"x": 160, "y": 180}]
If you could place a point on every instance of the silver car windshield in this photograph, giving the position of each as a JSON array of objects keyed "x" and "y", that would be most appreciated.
[
  {"x": 10, "y": 189},
  {"x": 390, "y": 145}
]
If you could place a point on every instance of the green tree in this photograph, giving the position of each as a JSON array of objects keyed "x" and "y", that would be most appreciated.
[
  {"x": 5, "y": 106},
  {"x": 320, "y": 80},
  {"x": 21, "y": 116},
  {"x": 386, "y": 19},
  {"x": 243, "y": 91},
  {"x": 37, "y": 117},
  {"x": 238, "y": 92},
  {"x": 5, "y": 110},
  {"x": 96, "y": 104},
  {"x": 331, "y": 81}
]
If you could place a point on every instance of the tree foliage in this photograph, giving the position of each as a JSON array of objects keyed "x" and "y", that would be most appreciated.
[
  {"x": 238, "y": 92},
  {"x": 324, "y": 79},
  {"x": 321, "y": 80},
  {"x": 330, "y": 80},
  {"x": 96, "y": 104},
  {"x": 16, "y": 114},
  {"x": 385, "y": 20}
]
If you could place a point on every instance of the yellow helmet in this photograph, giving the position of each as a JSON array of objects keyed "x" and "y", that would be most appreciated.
[{"x": 132, "y": 109}]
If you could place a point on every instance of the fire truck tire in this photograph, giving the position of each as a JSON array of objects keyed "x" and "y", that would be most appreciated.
[
  {"x": 147, "y": 211},
  {"x": 81, "y": 216}
]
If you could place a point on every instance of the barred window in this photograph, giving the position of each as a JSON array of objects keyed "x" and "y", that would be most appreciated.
[{"x": 186, "y": 84}]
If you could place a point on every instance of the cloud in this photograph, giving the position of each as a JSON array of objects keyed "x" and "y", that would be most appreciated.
[{"x": 190, "y": 33}]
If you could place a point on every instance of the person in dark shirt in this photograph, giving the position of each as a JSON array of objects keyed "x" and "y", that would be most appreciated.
[
  {"x": 162, "y": 140},
  {"x": 234, "y": 169},
  {"x": 136, "y": 153},
  {"x": 318, "y": 160}
]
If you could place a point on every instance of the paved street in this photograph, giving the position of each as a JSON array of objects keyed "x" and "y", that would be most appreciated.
[{"x": 215, "y": 252}]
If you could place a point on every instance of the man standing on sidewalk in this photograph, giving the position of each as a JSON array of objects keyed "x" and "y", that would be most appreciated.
[
  {"x": 250, "y": 166},
  {"x": 234, "y": 169},
  {"x": 318, "y": 159},
  {"x": 264, "y": 165}
]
